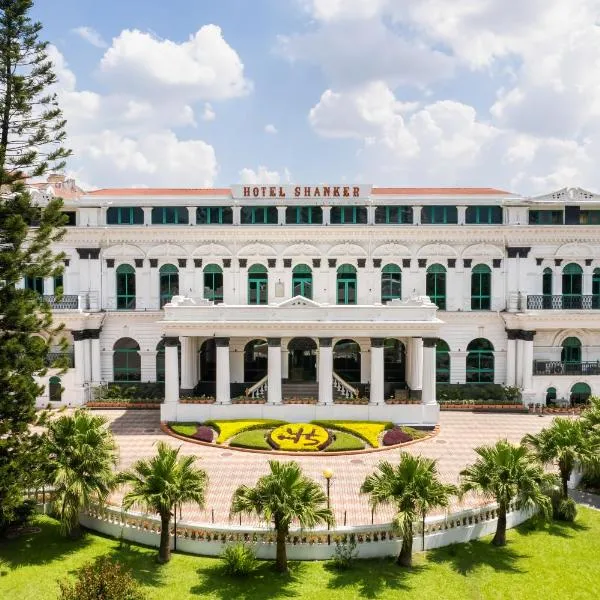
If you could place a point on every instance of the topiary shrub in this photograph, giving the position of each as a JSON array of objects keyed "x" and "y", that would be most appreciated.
[
  {"x": 104, "y": 579},
  {"x": 396, "y": 436},
  {"x": 239, "y": 560},
  {"x": 203, "y": 433}
]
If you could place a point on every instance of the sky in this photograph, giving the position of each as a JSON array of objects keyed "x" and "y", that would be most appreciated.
[{"x": 196, "y": 93}]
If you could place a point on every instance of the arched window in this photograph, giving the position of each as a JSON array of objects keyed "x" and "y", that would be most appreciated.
[
  {"x": 436, "y": 285},
  {"x": 346, "y": 284},
  {"x": 570, "y": 356},
  {"x": 213, "y": 283},
  {"x": 580, "y": 393},
  {"x": 442, "y": 362},
  {"x": 169, "y": 283},
  {"x": 160, "y": 360},
  {"x": 258, "y": 285},
  {"x": 127, "y": 364},
  {"x": 54, "y": 389},
  {"x": 572, "y": 286},
  {"x": 125, "y": 287},
  {"x": 550, "y": 395},
  {"x": 547, "y": 288},
  {"x": 391, "y": 283},
  {"x": 596, "y": 289},
  {"x": 480, "y": 361},
  {"x": 302, "y": 281},
  {"x": 481, "y": 288}
]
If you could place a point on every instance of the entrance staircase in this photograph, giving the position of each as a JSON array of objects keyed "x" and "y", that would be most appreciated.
[{"x": 301, "y": 389}]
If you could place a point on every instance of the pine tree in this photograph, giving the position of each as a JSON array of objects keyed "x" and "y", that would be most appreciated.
[{"x": 32, "y": 132}]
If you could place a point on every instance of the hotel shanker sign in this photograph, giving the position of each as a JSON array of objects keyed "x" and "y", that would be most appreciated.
[{"x": 291, "y": 191}]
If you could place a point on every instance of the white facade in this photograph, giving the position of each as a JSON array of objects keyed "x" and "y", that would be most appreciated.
[{"x": 519, "y": 300}]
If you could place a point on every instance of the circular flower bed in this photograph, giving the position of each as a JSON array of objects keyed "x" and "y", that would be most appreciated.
[{"x": 299, "y": 437}]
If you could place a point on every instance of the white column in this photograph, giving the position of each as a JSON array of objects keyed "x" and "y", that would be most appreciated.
[
  {"x": 147, "y": 215},
  {"x": 326, "y": 215},
  {"x": 408, "y": 372},
  {"x": 223, "y": 388},
  {"x": 96, "y": 360},
  {"x": 519, "y": 377},
  {"x": 461, "y": 214},
  {"x": 87, "y": 357},
  {"x": 192, "y": 215},
  {"x": 511, "y": 350},
  {"x": 365, "y": 365},
  {"x": 527, "y": 359},
  {"x": 187, "y": 368},
  {"x": 458, "y": 366},
  {"x": 428, "y": 394},
  {"x": 377, "y": 371},
  {"x": 285, "y": 363},
  {"x": 325, "y": 371},
  {"x": 417, "y": 359},
  {"x": 281, "y": 215},
  {"x": 171, "y": 371},
  {"x": 236, "y": 358},
  {"x": 274, "y": 370},
  {"x": 79, "y": 356}
]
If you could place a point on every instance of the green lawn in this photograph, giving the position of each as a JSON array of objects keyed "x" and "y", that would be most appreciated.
[{"x": 556, "y": 561}]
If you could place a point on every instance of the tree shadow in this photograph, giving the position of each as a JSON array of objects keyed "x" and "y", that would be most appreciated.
[
  {"x": 466, "y": 558},
  {"x": 561, "y": 529},
  {"x": 141, "y": 560},
  {"x": 264, "y": 584},
  {"x": 372, "y": 577}
]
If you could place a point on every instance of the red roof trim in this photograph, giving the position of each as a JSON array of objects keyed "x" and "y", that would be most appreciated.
[
  {"x": 161, "y": 192},
  {"x": 451, "y": 191}
]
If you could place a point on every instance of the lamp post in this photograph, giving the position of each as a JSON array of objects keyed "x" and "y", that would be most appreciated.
[{"x": 328, "y": 475}]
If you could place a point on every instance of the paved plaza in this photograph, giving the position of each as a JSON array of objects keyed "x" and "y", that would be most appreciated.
[{"x": 137, "y": 432}]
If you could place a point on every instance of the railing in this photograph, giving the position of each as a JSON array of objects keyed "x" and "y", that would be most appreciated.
[
  {"x": 259, "y": 389},
  {"x": 343, "y": 387},
  {"x": 563, "y": 302},
  {"x": 557, "y": 367},
  {"x": 66, "y": 302},
  {"x": 53, "y": 357}
]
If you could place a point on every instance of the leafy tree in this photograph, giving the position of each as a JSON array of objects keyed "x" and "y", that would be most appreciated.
[
  {"x": 162, "y": 482},
  {"x": 590, "y": 417},
  {"x": 31, "y": 138},
  {"x": 508, "y": 473},
  {"x": 413, "y": 488},
  {"x": 283, "y": 495},
  {"x": 566, "y": 443},
  {"x": 82, "y": 455}
]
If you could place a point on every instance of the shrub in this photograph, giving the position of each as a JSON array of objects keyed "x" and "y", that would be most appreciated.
[
  {"x": 396, "y": 436},
  {"x": 23, "y": 513},
  {"x": 228, "y": 428},
  {"x": 239, "y": 560},
  {"x": 566, "y": 511},
  {"x": 345, "y": 441},
  {"x": 369, "y": 431},
  {"x": 255, "y": 439},
  {"x": 203, "y": 433},
  {"x": 104, "y": 579},
  {"x": 344, "y": 554}
]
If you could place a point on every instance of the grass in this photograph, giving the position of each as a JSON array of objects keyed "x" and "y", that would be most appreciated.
[
  {"x": 231, "y": 427},
  {"x": 554, "y": 561},
  {"x": 184, "y": 428},
  {"x": 255, "y": 438},
  {"x": 345, "y": 441}
]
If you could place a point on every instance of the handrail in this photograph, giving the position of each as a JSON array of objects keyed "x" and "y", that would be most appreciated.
[
  {"x": 558, "y": 367},
  {"x": 342, "y": 386},
  {"x": 259, "y": 388},
  {"x": 563, "y": 302}
]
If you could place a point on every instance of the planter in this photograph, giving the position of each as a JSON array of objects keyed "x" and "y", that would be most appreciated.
[
  {"x": 400, "y": 401},
  {"x": 248, "y": 401},
  {"x": 134, "y": 405},
  {"x": 207, "y": 400},
  {"x": 299, "y": 401}
]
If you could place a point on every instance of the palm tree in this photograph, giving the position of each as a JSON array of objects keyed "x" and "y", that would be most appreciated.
[
  {"x": 508, "y": 473},
  {"x": 82, "y": 455},
  {"x": 281, "y": 496},
  {"x": 567, "y": 443},
  {"x": 162, "y": 482},
  {"x": 414, "y": 488},
  {"x": 590, "y": 417}
]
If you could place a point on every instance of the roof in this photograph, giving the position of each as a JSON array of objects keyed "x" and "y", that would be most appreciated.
[
  {"x": 161, "y": 192},
  {"x": 449, "y": 191}
]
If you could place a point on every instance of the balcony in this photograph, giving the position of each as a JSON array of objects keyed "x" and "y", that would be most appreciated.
[
  {"x": 86, "y": 301},
  {"x": 563, "y": 302},
  {"x": 557, "y": 367},
  {"x": 66, "y": 359}
]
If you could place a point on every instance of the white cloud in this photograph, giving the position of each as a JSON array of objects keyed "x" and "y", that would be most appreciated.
[
  {"x": 90, "y": 35},
  {"x": 208, "y": 114},
  {"x": 263, "y": 175},
  {"x": 271, "y": 129},
  {"x": 205, "y": 67},
  {"x": 329, "y": 10}
]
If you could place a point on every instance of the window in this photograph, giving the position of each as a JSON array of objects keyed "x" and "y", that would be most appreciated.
[
  {"x": 547, "y": 288},
  {"x": 394, "y": 215},
  {"x": 484, "y": 215},
  {"x": 596, "y": 289},
  {"x": 170, "y": 215},
  {"x": 481, "y": 288},
  {"x": 439, "y": 215},
  {"x": 580, "y": 393},
  {"x": 58, "y": 285},
  {"x": 436, "y": 285},
  {"x": 214, "y": 215},
  {"x": 259, "y": 215},
  {"x": 213, "y": 283},
  {"x": 160, "y": 360},
  {"x": 125, "y": 215},
  {"x": 442, "y": 362},
  {"x": 35, "y": 284},
  {"x": 589, "y": 217},
  {"x": 127, "y": 364},
  {"x": 545, "y": 217},
  {"x": 302, "y": 281},
  {"x": 303, "y": 215},
  {"x": 480, "y": 361},
  {"x": 71, "y": 218},
  {"x": 391, "y": 283},
  {"x": 346, "y": 284},
  {"x": 572, "y": 286},
  {"x": 348, "y": 215},
  {"x": 54, "y": 389},
  {"x": 550, "y": 395},
  {"x": 125, "y": 287},
  {"x": 168, "y": 283},
  {"x": 571, "y": 355},
  {"x": 258, "y": 285}
]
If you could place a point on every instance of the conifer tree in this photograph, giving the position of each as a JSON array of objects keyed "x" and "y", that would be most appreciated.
[{"x": 32, "y": 132}]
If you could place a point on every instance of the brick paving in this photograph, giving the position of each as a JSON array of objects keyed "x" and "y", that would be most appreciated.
[{"x": 137, "y": 432}]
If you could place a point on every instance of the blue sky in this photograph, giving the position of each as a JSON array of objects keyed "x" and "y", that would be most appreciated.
[{"x": 398, "y": 92}]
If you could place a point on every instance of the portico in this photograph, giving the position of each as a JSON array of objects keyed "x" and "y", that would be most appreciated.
[{"x": 320, "y": 336}]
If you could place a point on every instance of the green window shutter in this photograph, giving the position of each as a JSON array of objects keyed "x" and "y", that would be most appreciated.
[
  {"x": 391, "y": 283},
  {"x": 346, "y": 285},
  {"x": 125, "y": 275},
  {"x": 435, "y": 281},
  {"x": 480, "y": 361},
  {"x": 168, "y": 283},
  {"x": 442, "y": 362},
  {"x": 258, "y": 285},
  {"x": 481, "y": 288},
  {"x": 302, "y": 281},
  {"x": 213, "y": 283}
]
